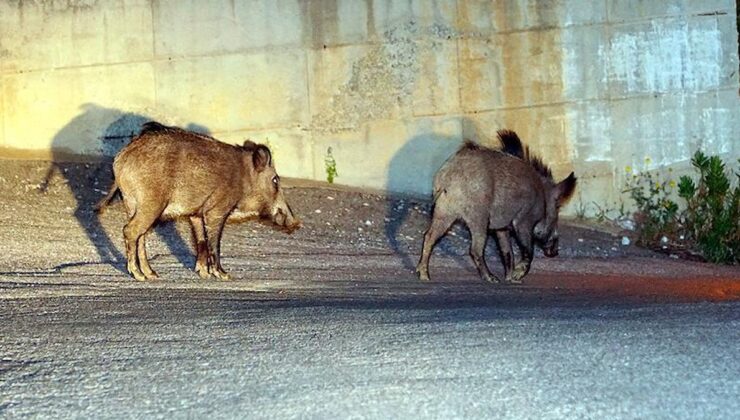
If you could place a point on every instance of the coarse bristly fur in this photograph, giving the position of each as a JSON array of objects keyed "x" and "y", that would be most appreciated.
[
  {"x": 508, "y": 191},
  {"x": 168, "y": 172},
  {"x": 512, "y": 145}
]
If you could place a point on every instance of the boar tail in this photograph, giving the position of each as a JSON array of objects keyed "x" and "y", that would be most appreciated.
[
  {"x": 511, "y": 144},
  {"x": 102, "y": 204}
]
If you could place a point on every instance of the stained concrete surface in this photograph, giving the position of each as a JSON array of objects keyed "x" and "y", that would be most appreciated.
[
  {"x": 591, "y": 86},
  {"x": 331, "y": 321}
]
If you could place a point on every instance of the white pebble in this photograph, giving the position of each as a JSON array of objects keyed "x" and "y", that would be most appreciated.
[
  {"x": 317, "y": 211},
  {"x": 625, "y": 241}
]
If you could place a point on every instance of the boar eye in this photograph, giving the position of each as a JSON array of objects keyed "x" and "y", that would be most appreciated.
[{"x": 275, "y": 180}]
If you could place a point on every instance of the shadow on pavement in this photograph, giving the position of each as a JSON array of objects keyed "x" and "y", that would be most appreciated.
[{"x": 101, "y": 131}]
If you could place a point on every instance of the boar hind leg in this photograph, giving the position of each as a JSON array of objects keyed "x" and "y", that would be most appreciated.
[
  {"x": 526, "y": 245},
  {"x": 440, "y": 224},
  {"x": 133, "y": 232},
  {"x": 201, "y": 246},
  {"x": 479, "y": 234},
  {"x": 214, "y": 229},
  {"x": 504, "y": 245}
]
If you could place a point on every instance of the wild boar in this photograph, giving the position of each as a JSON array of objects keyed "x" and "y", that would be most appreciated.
[
  {"x": 506, "y": 191},
  {"x": 167, "y": 173}
]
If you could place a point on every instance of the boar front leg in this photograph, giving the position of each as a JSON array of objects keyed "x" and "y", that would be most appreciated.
[
  {"x": 214, "y": 224},
  {"x": 201, "y": 247},
  {"x": 526, "y": 246}
]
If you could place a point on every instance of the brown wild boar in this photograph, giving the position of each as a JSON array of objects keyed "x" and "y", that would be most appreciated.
[
  {"x": 168, "y": 172},
  {"x": 507, "y": 191}
]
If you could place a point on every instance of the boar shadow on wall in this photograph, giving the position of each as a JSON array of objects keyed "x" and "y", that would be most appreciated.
[
  {"x": 409, "y": 184},
  {"x": 102, "y": 131}
]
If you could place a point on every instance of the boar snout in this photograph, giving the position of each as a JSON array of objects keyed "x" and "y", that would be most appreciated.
[
  {"x": 550, "y": 252},
  {"x": 550, "y": 248},
  {"x": 283, "y": 217}
]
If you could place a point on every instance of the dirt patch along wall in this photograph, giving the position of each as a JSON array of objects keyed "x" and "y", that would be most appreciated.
[{"x": 390, "y": 86}]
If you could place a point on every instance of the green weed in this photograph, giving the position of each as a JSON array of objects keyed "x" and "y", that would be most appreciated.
[{"x": 331, "y": 166}]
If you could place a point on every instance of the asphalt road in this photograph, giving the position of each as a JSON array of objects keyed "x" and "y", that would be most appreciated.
[
  {"x": 510, "y": 353},
  {"x": 330, "y": 322}
]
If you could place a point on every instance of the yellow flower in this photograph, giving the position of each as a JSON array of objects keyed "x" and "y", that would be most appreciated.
[
  {"x": 648, "y": 160},
  {"x": 672, "y": 184},
  {"x": 628, "y": 169}
]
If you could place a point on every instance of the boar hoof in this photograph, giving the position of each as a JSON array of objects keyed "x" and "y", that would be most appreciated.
[
  {"x": 203, "y": 273},
  {"x": 149, "y": 274},
  {"x": 220, "y": 274},
  {"x": 423, "y": 274},
  {"x": 518, "y": 274},
  {"x": 138, "y": 275},
  {"x": 513, "y": 280},
  {"x": 491, "y": 279},
  {"x": 134, "y": 271}
]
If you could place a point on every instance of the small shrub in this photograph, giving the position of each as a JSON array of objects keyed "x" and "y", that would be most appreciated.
[
  {"x": 710, "y": 221},
  {"x": 331, "y": 166},
  {"x": 712, "y": 215}
]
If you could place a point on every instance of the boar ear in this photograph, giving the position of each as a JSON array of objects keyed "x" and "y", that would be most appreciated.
[
  {"x": 261, "y": 157},
  {"x": 565, "y": 189},
  {"x": 249, "y": 144}
]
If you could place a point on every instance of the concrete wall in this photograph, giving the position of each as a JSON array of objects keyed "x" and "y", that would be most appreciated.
[{"x": 392, "y": 86}]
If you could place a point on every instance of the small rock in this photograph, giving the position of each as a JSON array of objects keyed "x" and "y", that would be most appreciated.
[
  {"x": 368, "y": 223},
  {"x": 330, "y": 198},
  {"x": 626, "y": 223},
  {"x": 365, "y": 204},
  {"x": 614, "y": 248},
  {"x": 580, "y": 239},
  {"x": 664, "y": 240},
  {"x": 317, "y": 211},
  {"x": 625, "y": 241}
]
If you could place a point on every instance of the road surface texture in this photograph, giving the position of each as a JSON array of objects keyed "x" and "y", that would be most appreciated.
[{"x": 330, "y": 322}]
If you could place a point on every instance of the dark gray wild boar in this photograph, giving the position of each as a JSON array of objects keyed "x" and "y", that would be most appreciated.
[
  {"x": 507, "y": 191},
  {"x": 168, "y": 172}
]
